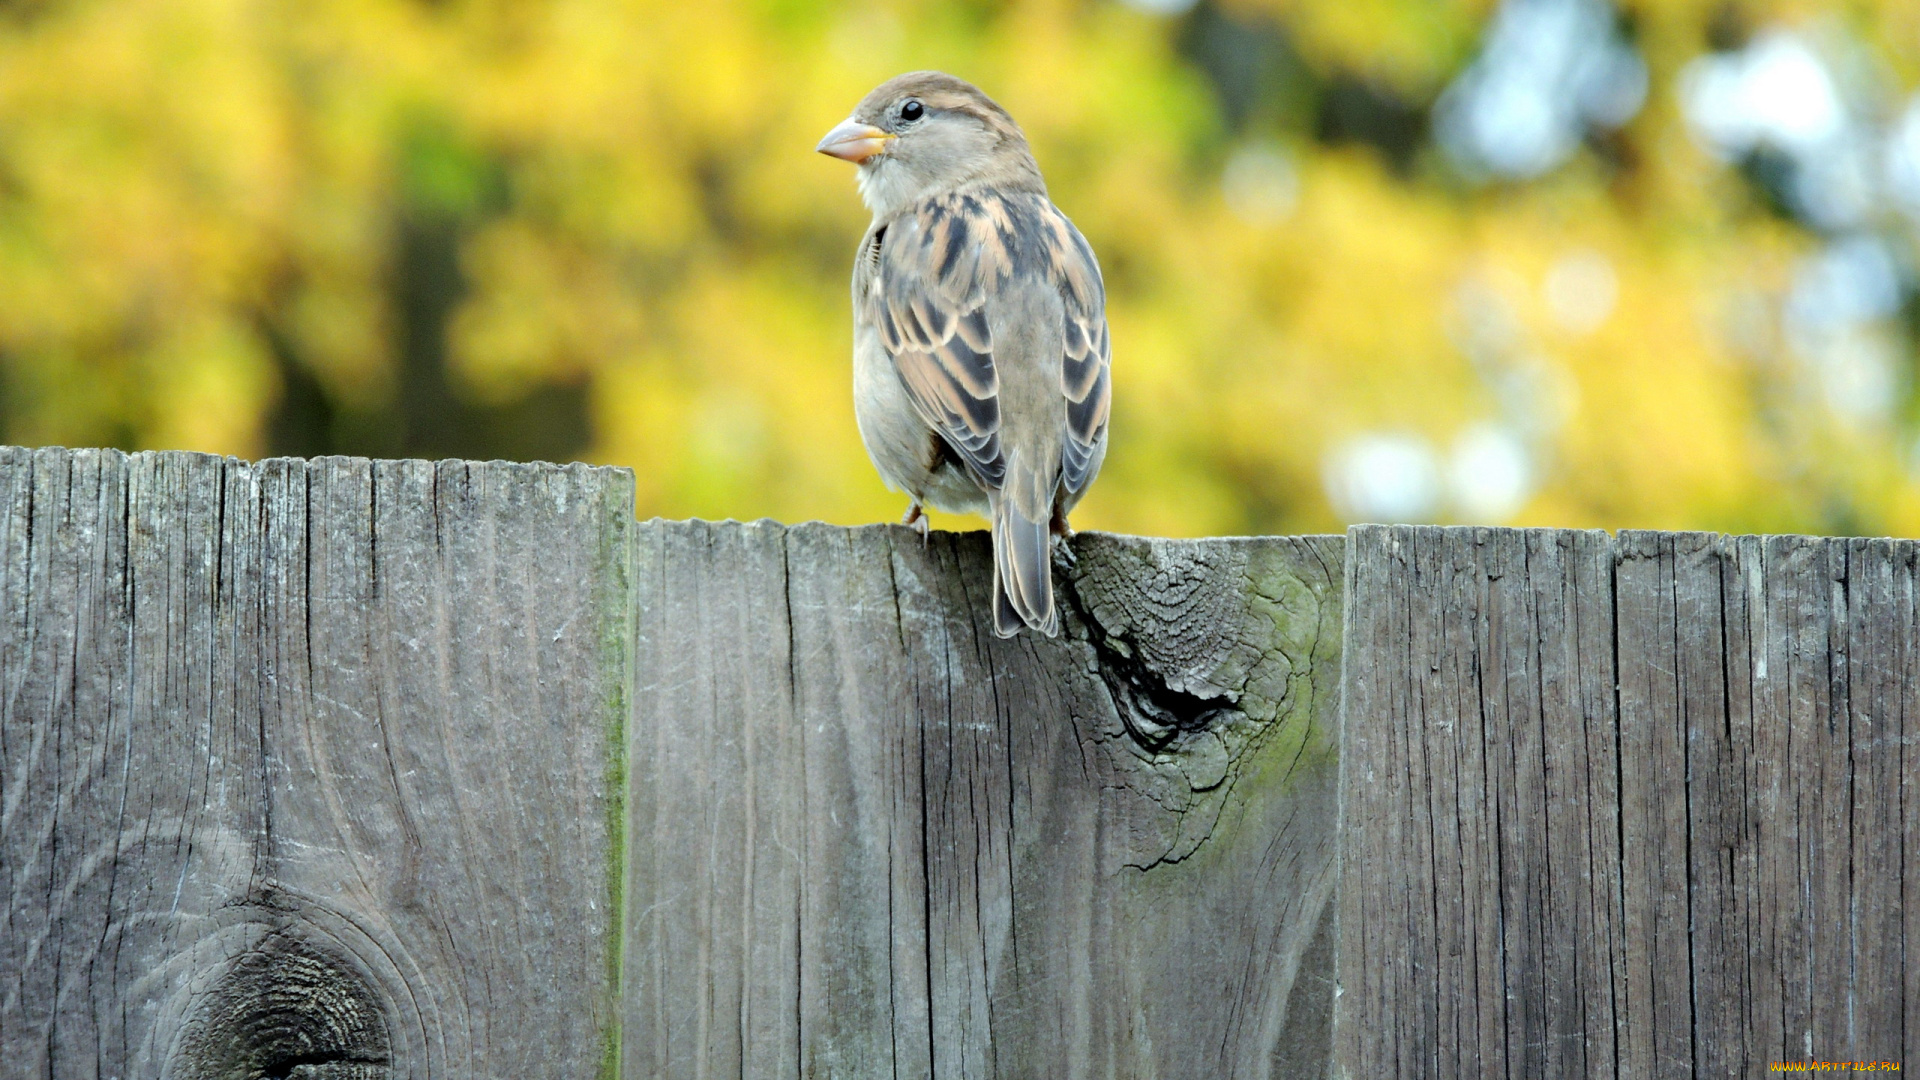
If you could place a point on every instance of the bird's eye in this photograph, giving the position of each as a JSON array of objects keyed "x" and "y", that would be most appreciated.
[{"x": 912, "y": 111}]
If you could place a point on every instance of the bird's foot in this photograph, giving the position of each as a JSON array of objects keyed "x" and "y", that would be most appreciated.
[
  {"x": 1064, "y": 532},
  {"x": 1059, "y": 525},
  {"x": 1064, "y": 552},
  {"x": 916, "y": 519}
]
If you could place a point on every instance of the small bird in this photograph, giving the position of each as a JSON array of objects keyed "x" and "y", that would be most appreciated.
[{"x": 980, "y": 356}]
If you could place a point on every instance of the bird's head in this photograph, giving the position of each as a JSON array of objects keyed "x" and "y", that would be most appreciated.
[{"x": 926, "y": 133}]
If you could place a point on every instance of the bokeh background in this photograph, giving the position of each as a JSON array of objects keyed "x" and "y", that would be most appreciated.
[{"x": 1648, "y": 263}]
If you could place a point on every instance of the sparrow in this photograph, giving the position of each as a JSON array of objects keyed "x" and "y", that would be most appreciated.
[{"x": 981, "y": 366}]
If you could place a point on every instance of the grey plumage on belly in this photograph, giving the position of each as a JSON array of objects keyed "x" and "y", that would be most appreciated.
[
  {"x": 950, "y": 486},
  {"x": 908, "y": 454}
]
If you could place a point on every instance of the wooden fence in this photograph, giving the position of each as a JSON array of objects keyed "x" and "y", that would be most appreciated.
[{"x": 347, "y": 769}]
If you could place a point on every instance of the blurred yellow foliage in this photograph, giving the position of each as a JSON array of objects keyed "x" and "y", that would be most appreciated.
[{"x": 596, "y": 228}]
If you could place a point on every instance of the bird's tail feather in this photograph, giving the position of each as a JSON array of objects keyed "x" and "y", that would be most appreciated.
[{"x": 1022, "y": 572}]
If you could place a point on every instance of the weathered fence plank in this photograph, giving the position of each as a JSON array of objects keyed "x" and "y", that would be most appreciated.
[
  {"x": 305, "y": 767},
  {"x": 345, "y": 770},
  {"x": 1736, "y": 711},
  {"x": 872, "y": 839}
]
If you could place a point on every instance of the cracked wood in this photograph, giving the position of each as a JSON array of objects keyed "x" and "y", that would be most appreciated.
[
  {"x": 316, "y": 769},
  {"x": 305, "y": 766},
  {"x": 1633, "y": 806},
  {"x": 870, "y": 839}
]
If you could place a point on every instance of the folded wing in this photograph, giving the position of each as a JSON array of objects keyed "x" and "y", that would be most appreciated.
[{"x": 944, "y": 273}]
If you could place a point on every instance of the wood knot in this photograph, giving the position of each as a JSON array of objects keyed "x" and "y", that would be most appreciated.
[
  {"x": 285, "y": 1009},
  {"x": 1213, "y": 655},
  {"x": 1164, "y": 622}
]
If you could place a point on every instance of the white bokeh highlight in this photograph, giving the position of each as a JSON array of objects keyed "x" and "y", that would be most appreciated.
[
  {"x": 1581, "y": 290},
  {"x": 1385, "y": 478},
  {"x": 1549, "y": 71},
  {"x": 1837, "y": 319},
  {"x": 1260, "y": 184},
  {"x": 1776, "y": 91},
  {"x": 1489, "y": 474}
]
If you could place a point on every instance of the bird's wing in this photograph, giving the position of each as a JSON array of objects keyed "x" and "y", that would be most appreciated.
[
  {"x": 1086, "y": 370},
  {"x": 938, "y": 272},
  {"x": 937, "y": 267}
]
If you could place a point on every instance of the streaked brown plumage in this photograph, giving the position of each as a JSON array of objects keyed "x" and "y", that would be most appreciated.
[{"x": 981, "y": 360}]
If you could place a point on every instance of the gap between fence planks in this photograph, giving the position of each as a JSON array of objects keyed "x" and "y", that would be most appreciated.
[
  {"x": 309, "y": 769},
  {"x": 348, "y": 769}
]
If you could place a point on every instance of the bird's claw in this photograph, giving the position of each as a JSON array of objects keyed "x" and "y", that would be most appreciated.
[
  {"x": 1063, "y": 533},
  {"x": 916, "y": 519},
  {"x": 1064, "y": 550}
]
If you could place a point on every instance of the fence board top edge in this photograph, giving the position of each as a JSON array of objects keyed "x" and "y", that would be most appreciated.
[
  {"x": 1620, "y": 536},
  {"x": 196, "y": 457},
  {"x": 815, "y": 525},
  {"x": 1629, "y": 536}
]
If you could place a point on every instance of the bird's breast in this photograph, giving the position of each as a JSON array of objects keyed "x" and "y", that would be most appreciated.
[{"x": 905, "y": 451}]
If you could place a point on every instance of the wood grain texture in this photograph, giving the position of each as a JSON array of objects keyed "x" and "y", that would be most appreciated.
[
  {"x": 1630, "y": 806},
  {"x": 870, "y": 839},
  {"x": 309, "y": 769},
  {"x": 348, "y": 770}
]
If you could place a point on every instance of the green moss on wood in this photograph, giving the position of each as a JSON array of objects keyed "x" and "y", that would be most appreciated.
[{"x": 1222, "y": 696}]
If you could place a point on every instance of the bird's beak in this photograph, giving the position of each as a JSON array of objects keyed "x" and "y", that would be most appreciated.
[{"x": 853, "y": 141}]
